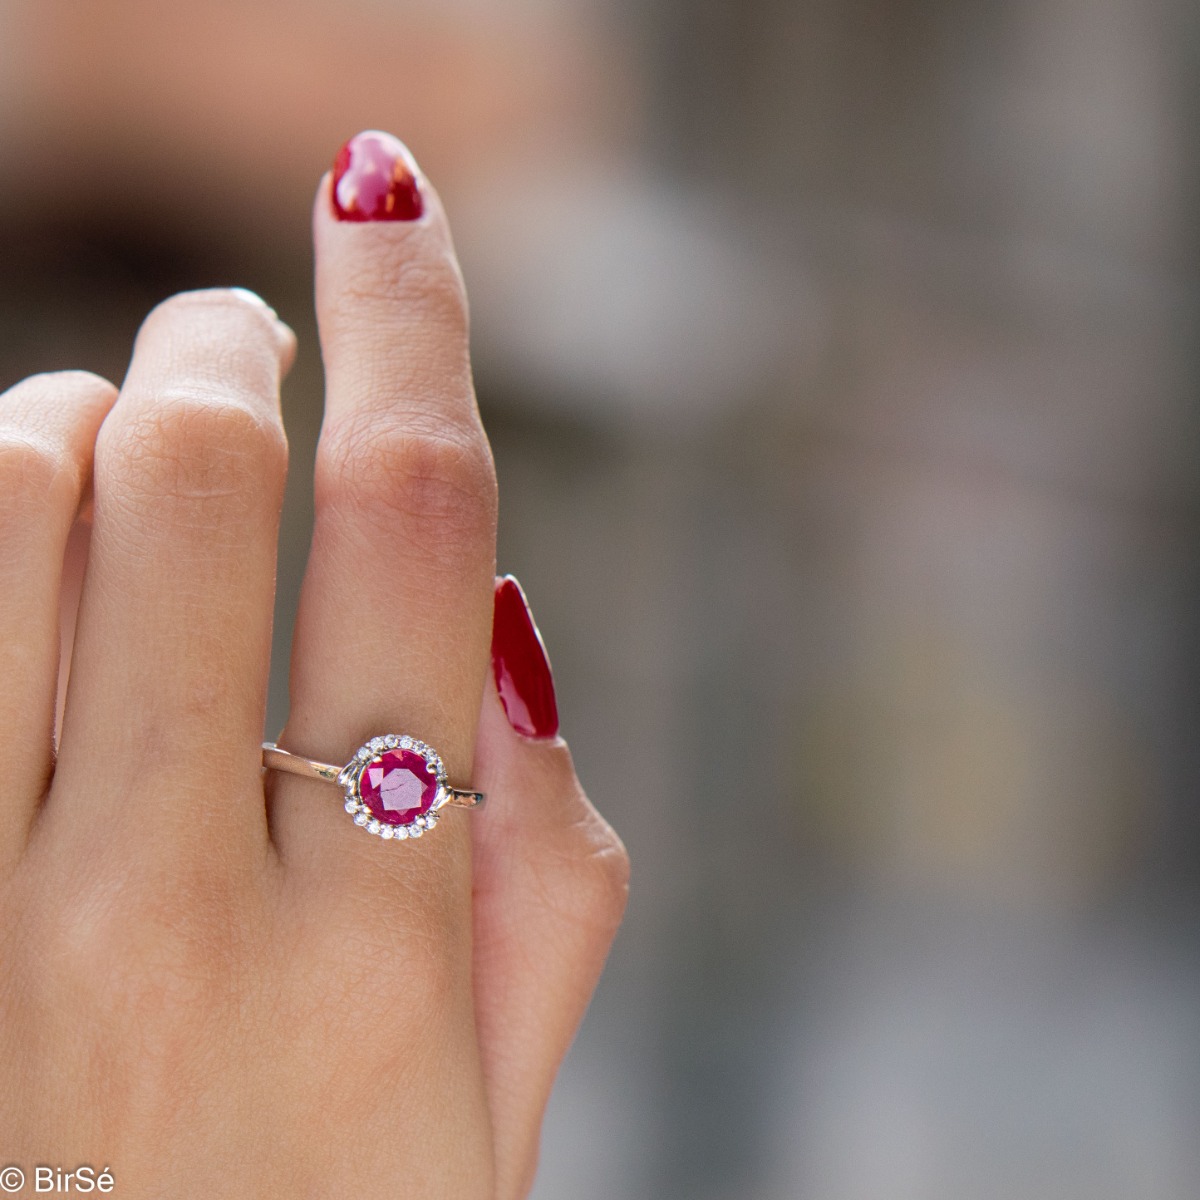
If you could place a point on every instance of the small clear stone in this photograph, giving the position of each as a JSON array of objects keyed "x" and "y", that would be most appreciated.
[
  {"x": 400, "y": 833},
  {"x": 375, "y": 744},
  {"x": 361, "y": 818},
  {"x": 406, "y": 743},
  {"x": 390, "y": 740},
  {"x": 415, "y": 830},
  {"x": 351, "y": 804},
  {"x": 373, "y": 826},
  {"x": 387, "y": 831},
  {"x": 363, "y": 754}
]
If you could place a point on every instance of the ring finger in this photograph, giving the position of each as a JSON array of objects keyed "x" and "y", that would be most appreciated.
[
  {"x": 392, "y": 636},
  {"x": 394, "y": 621}
]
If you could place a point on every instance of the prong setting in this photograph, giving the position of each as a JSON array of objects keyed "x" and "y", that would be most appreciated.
[{"x": 372, "y": 753}]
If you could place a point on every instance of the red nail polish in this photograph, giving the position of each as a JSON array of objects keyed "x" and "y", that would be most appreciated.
[
  {"x": 520, "y": 665},
  {"x": 375, "y": 179}
]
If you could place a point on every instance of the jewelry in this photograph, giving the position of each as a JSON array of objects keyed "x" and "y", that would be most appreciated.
[{"x": 395, "y": 786}]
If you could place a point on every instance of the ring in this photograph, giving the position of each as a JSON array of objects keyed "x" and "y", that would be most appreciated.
[{"x": 395, "y": 786}]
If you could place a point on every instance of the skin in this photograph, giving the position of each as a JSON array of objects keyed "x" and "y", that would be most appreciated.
[{"x": 213, "y": 983}]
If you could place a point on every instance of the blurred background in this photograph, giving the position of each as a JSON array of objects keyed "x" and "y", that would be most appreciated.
[{"x": 840, "y": 361}]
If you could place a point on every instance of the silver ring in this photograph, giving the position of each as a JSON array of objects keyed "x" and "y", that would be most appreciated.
[{"x": 394, "y": 786}]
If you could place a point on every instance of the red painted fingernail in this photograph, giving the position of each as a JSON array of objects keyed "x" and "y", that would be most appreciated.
[
  {"x": 520, "y": 665},
  {"x": 375, "y": 179}
]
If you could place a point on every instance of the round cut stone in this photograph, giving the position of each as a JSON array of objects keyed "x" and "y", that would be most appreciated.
[{"x": 398, "y": 786}]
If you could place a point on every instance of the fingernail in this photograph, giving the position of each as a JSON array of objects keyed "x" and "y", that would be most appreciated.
[
  {"x": 286, "y": 337},
  {"x": 520, "y": 665},
  {"x": 375, "y": 179}
]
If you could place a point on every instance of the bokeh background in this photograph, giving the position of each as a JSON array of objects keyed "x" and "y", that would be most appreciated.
[{"x": 840, "y": 361}]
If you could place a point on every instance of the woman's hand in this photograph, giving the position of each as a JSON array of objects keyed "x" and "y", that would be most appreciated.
[{"x": 219, "y": 988}]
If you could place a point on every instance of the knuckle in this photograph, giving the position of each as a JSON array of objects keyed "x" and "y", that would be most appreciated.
[
  {"x": 414, "y": 477},
  {"x": 413, "y": 973},
  {"x": 68, "y": 382},
  {"x": 586, "y": 873},
  {"x": 32, "y": 471},
  {"x": 194, "y": 447},
  {"x": 237, "y": 303},
  {"x": 127, "y": 949},
  {"x": 40, "y": 471},
  {"x": 609, "y": 870}
]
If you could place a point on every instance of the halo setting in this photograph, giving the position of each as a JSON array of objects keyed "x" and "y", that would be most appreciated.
[{"x": 395, "y": 787}]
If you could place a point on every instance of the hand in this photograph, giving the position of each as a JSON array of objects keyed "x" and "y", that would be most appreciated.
[{"x": 214, "y": 983}]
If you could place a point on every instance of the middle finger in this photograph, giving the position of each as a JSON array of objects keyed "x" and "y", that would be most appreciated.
[{"x": 171, "y": 654}]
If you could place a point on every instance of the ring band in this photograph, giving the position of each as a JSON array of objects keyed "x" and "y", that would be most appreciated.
[
  {"x": 278, "y": 759},
  {"x": 394, "y": 785}
]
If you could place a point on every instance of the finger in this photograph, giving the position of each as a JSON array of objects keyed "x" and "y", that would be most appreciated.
[
  {"x": 551, "y": 880},
  {"x": 394, "y": 619},
  {"x": 74, "y": 565},
  {"x": 169, "y": 671},
  {"x": 395, "y": 611},
  {"x": 48, "y": 427}
]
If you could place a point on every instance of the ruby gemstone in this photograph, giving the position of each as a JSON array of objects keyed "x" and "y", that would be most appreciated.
[{"x": 398, "y": 786}]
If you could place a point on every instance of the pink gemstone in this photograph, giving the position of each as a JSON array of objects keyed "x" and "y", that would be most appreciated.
[{"x": 398, "y": 786}]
